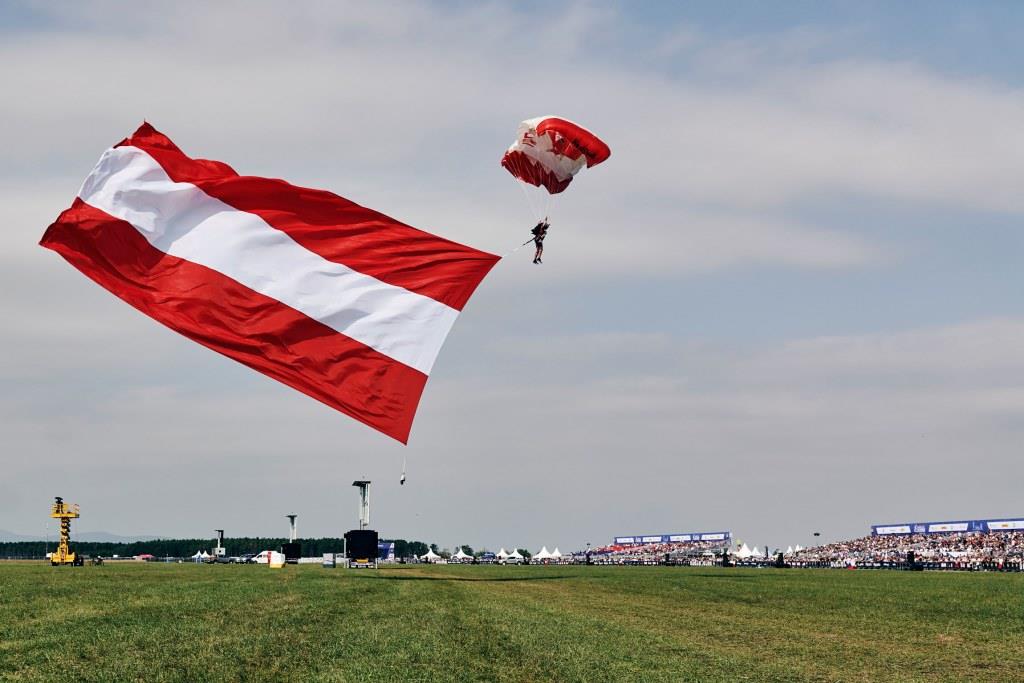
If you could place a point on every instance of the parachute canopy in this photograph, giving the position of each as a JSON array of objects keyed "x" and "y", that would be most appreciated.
[{"x": 549, "y": 151}]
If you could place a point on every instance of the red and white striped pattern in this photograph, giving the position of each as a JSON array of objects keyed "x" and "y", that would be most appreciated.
[
  {"x": 336, "y": 300},
  {"x": 549, "y": 151}
]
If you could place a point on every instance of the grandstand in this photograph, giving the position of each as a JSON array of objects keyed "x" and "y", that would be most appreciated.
[
  {"x": 650, "y": 549},
  {"x": 970, "y": 545},
  {"x": 966, "y": 545}
]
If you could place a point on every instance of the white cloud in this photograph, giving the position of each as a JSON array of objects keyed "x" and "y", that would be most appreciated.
[
  {"x": 700, "y": 432},
  {"x": 703, "y": 172},
  {"x": 407, "y": 108},
  {"x": 979, "y": 352}
]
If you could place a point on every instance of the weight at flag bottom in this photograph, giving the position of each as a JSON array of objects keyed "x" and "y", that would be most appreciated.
[{"x": 331, "y": 298}]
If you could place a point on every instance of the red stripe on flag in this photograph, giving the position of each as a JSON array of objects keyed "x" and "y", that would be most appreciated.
[
  {"x": 233, "y": 320},
  {"x": 335, "y": 228}
]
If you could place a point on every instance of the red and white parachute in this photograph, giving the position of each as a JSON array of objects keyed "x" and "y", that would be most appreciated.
[{"x": 549, "y": 151}]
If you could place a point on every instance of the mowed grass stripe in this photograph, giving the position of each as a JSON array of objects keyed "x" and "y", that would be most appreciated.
[
  {"x": 745, "y": 634},
  {"x": 531, "y": 639},
  {"x": 871, "y": 623},
  {"x": 187, "y": 622}
]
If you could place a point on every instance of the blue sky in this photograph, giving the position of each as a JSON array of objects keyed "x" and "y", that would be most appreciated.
[{"x": 794, "y": 283}]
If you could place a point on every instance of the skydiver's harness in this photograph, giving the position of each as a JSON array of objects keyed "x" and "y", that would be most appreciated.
[
  {"x": 540, "y": 231},
  {"x": 536, "y": 233}
]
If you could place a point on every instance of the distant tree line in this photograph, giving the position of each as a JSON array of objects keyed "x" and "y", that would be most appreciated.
[{"x": 186, "y": 547}]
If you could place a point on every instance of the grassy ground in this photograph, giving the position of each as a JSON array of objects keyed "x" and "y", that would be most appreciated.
[{"x": 189, "y": 623}]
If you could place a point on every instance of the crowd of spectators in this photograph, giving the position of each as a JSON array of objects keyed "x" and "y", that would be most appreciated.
[
  {"x": 972, "y": 551},
  {"x": 963, "y": 550},
  {"x": 654, "y": 553}
]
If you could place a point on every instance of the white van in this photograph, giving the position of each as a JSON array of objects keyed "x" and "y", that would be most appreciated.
[{"x": 262, "y": 558}]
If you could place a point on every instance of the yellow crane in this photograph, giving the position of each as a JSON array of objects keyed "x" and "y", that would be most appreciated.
[{"x": 65, "y": 512}]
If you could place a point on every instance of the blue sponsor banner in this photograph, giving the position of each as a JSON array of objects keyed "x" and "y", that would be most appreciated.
[
  {"x": 643, "y": 539},
  {"x": 957, "y": 526},
  {"x": 386, "y": 550}
]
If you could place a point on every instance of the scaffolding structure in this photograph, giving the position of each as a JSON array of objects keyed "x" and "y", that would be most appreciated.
[
  {"x": 361, "y": 547},
  {"x": 65, "y": 512},
  {"x": 364, "y": 502}
]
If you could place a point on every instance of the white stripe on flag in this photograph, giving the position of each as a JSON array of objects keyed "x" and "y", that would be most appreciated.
[{"x": 181, "y": 220}]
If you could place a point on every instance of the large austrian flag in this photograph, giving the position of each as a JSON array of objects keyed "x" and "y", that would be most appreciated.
[{"x": 331, "y": 298}]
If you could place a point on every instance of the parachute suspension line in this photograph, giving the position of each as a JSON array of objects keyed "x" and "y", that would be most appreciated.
[
  {"x": 534, "y": 211},
  {"x": 526, "y": 195},
  {"x": 529, "y": 200}
]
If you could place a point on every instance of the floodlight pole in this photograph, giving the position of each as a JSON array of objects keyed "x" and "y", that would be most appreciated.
[
  {"x": 293, "y": 534},
  {"x": 364, "y": 503}
]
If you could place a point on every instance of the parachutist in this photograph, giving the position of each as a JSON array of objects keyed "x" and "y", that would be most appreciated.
[
  {"x": 540, "y": 231},
  {"x": 547, "y": 153}
]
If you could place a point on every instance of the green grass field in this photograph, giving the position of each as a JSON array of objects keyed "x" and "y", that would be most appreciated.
[{"x": 191, "y": 623}]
